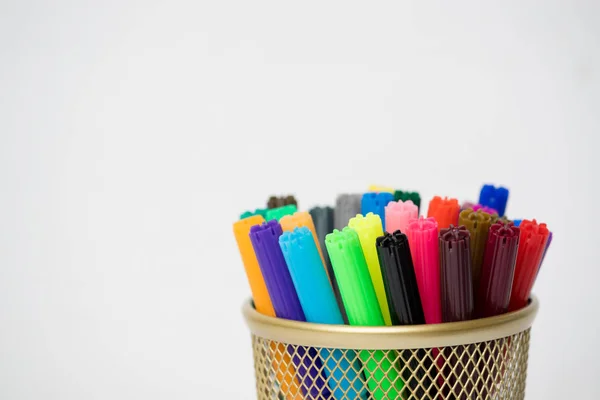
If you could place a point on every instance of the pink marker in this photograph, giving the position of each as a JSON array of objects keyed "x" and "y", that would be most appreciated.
[
  {"x": 423, "y": 240},
  {"x": 466, "y": 205},
  {"x": 486, "y": 209},
  {"x": 397, "y": 215}
]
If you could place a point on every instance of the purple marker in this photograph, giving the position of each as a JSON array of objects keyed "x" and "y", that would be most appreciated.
[
  {"x": 265, "y": 241},
  {"x": 545, "y": 251}
]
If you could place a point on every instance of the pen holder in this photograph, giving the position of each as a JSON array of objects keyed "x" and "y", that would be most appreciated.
[{"x": 478, "y": 359}]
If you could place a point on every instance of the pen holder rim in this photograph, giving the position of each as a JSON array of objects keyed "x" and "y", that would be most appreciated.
[{"x": 390, "y": 337}]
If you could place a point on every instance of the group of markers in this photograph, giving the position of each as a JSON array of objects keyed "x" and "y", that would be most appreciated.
[{"x": 373, "y": 261}]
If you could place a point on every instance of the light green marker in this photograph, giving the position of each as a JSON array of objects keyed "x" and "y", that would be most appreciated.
[
  {"x": 369, "y": 229},
  {"x": 362, "y": 308}
]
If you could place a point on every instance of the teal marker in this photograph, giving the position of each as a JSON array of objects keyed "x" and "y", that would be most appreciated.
[
  {"x": 259, "y": 211},
  {"x": 280, "y": 212},
  {"x": 319, "y": 305}
]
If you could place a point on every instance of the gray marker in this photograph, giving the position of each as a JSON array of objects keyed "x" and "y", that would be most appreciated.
[{"x": 346, "y": 207}]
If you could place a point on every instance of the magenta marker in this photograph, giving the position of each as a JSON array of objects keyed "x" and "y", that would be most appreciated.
[{"x": 423, "y": 239}]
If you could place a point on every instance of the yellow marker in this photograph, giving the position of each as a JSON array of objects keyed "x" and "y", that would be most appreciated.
[
  {"x": 280, "y": 358},
  {"x": 369, "y": 229},
  {"x": 299, "y": 219},
  {"x": 380, "y": 189}
]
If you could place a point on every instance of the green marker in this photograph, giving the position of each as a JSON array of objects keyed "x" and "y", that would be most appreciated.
[
  {"x": 362, "y": 307},
  {"x": 279, "y": 212},
  {"x": 404, "y": 196},
  {"x": 259, "y": 211}
]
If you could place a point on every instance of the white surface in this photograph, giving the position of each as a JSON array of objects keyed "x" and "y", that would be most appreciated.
[{"x": 133, "y": 133}]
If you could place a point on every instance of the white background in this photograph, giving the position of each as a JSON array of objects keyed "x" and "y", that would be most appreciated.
[{"x": 133, "y": 133}]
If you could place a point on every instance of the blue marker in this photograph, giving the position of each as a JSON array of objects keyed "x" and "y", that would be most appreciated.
[
  {"x": 319, "y": 305},
  {"x": 375, "y": 203},
  {"x": 495, "y": 198},
  {"x": 517, "y": 222}
]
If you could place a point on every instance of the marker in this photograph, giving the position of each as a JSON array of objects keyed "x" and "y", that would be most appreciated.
[
  {"x": 444, "y": 210},
  {"x": 498, "y": 270},
  {"x": 466, "y": 205},
  {"x": 397, "y": 215},
  {"x": 457, "y": 302},
  {"x": 495, "y": 198},
  {"x": 422, "y": 235},
  {"x": 369, "y": 229},
  {"x": 545, "y": 250},
  {"x": 405, "y": 307},
  {"x": 280, "y": 212},
  {"x": 405, "y": 196},
  {"x": 276, "y": 202},
  {"x": 346, "y": 207},
  {"x": 478, "y": 224},
  {"x": 375, "y": 203},
  {"x": 303, "y": 218},
  {"x": 323, "y": 220},
  {"x": 265, "y": 241},
  {"x": 489, "y": 210},
  {"x": 280, "y": 359},
  {"x": 319, "y": 305},
  {"x": 400, "y": 281},
  {"x": 532, "y": 242},
  {"x": 379, "y": 189},
  {"x": 455, "y": 274},
  {"x": 259, "y": 211},
  {"x": 363, "y": 309},
  {"x": 298, "y": 219}
]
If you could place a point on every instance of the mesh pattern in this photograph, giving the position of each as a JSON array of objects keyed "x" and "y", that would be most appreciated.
[{"x": 496, "y": 369}]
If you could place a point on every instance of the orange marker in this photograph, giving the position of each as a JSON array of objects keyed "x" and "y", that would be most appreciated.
[
  {"x": 299, "y": 219},
  {"x": 260, "y": 295},
  {"x": 280, "y": 358},
  {"x": 445, "y": 211}
]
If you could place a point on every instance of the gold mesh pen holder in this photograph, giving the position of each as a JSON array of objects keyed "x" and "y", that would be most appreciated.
[{"x": 479, "y": 359}]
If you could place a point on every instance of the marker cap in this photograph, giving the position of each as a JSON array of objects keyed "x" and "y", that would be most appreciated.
[
  {"x": 260, "y": 295},
  {"x": 346, "y": 207},
  {"x": 455, "y": 274},
  {"x": 375, "y": 203},
  {"x": 399, "y": 278},
  {"x": 532, "y": 243},
  {"x": 498, "y": 270},
  {"x": 280, "y": 212},
  {"x": 422, "y": 235},
  {"x": 444, "y": 210},
  {"x": 495, "y": 198},
  {"x": 478, "y": 224},
  {"x": 397, "y": 215},
  {"x": 369, "y": 229},
  {"x": 405, "y": 196},
  {"x": 353, "y": 278},
  {"x": 276, "y": 202}
]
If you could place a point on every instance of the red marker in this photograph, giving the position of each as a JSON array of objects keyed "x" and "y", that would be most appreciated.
[{"x": 532, "y": 243}]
